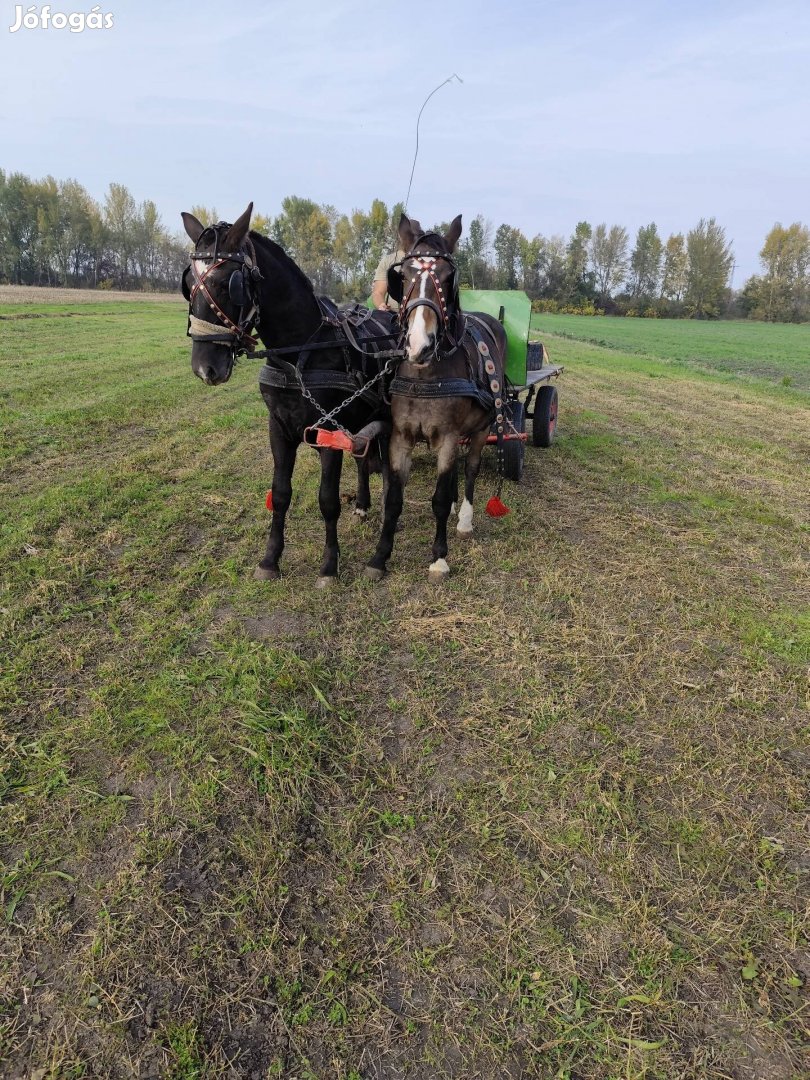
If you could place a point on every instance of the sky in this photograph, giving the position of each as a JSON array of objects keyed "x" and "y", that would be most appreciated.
[{"x": 627, "y": 112}]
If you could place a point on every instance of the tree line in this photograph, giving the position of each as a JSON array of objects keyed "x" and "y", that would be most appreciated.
[{"x": 54, "y": 233}]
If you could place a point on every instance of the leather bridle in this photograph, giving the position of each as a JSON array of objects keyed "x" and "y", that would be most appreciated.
[
  {"x": 238, "y": 335},
  {"x": 426, "y": 264}
]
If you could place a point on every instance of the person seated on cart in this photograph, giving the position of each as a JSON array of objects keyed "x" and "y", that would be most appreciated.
[{"x": 379, "y": 290}]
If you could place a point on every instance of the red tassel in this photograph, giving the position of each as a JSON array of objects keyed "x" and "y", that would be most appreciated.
[
  {"x": 268, "y": 502},
  {"x": 495, "y": 508}
]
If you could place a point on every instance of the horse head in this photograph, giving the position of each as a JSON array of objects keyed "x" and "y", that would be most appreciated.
[
  {"x": 426, "y": 285},
  {"x": 220, "y": 286}
]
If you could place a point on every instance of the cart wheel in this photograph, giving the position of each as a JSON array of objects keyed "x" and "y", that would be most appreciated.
[
  {"x": 544, "y": 424},
  {"x": 514, "y": 450}
]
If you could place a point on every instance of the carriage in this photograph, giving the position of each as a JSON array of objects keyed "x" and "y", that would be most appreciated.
[{"x": 528, "y": 372}]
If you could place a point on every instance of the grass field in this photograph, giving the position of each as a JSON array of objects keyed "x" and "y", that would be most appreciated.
[
  {"x": 775, "y": 353},
  {"x": 548, "y": 820}
]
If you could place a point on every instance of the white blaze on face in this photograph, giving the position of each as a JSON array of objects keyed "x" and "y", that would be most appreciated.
[{"x": 418, "y": 340}]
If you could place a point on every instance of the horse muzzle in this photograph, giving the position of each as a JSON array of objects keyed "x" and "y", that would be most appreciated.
[
  {"x": 211, "y": 377},
  {"x": 423, "y": 351},
  {"x": 210, "y": 366}
]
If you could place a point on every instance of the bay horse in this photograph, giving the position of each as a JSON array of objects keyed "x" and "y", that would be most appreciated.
[
  {"x": 449, "y": 387},
  {"x": 317, "y": 357}
]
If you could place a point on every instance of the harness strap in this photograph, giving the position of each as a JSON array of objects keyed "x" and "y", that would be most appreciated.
[
  {"x": 287, "y": 378},
  {"x": 497, "y": 389},
  {"x": 477, "y": 325},
  {"x": 402, "y": 386}
]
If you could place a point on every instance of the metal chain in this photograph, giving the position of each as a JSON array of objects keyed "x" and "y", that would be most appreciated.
[{"x": 326, "y": 417}]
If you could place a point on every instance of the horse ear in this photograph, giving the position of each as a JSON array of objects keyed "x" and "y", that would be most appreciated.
[
  {"x": 239, "y": 230},
  {"x": 407, "y": 235},
  {"x": 453, "y": 233},
  {"x": 194, "y": 228}
]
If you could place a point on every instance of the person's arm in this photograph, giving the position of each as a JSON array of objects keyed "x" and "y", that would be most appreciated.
[
  {"x": 379, "y": 287},
  {"x": 378, "y": 291}
]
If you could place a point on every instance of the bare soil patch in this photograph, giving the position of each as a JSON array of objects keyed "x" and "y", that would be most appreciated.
[{"x": 46, "y": 294}]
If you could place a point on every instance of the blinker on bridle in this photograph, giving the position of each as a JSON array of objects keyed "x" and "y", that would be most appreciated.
[{"x": 238, "y": 335}]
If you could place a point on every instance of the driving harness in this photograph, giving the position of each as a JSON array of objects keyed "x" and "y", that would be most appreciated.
[
  {"x": 357, "y": 331},
  {"x": 486, "y": 386}
]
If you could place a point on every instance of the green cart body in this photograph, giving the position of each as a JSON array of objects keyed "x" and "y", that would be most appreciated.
[
  {"x": 527, "y": 369},
  {"x": 514, "y": 309}
]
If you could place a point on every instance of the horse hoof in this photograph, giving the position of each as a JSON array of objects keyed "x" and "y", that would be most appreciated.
[
  {"x": 358, "y": 512},
  {"x": 266, "y": 573},
  {"x": 439, "y": 570},
  {"x": 373, "y": 573},
  {"x": 462, "y": 535},
  {"x": 325, "y": 582}
]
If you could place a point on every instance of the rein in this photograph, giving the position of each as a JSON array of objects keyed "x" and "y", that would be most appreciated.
[{"x": 349, "y": 338}]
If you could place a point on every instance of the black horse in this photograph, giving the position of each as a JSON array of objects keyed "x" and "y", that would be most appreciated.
[
  {"x": 450, "y": 386},
  {"x": 317, "y": 358}
]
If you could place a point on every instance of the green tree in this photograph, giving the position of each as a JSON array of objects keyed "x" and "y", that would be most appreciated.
[
  {"x": 149, "y": 233},
  {"x": 206, "y": 215},
  {"x": 553, "y": 268},
  {"x": 379, "y": 236},
  {"x": 529, "y": 264},
  {"x": 343, "y": 250},
  {"x": 18, "y": 228},
  {"x": 645, "y": 263},
  {"x": 710, "y": 262},
  {"x": 261, "y": 223},
  {"x": 784, "y": 293},
  {"x": 474, "y": 251},
  {"x": 676, "y": 263},
  {"x": 304, "y": 231},
  {"x": 578, "y": 284},
  {"x": 121, "y": 217},
  {"x": 507, "y": 249},
  {"x": 77, "y": 211}
]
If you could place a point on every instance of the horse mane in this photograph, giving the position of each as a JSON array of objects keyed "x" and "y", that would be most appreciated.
[{"x": 280, "y": 255}]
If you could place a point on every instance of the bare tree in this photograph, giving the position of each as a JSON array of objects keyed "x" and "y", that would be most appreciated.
[{"x": 608, "y": 250}]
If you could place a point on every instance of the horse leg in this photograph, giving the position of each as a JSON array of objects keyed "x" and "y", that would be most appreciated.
[
  {"x": 284, "y": 453},
  {"x": 363, "y": 500},
  {"x": 399, "y": 469},
  {"x": 386, "y": 474},
  {"x": 442, "y": 502},
  {"x": 464, "y": 528},
  {"x": 454, "y": 489},
  {"x": 329, "y": 502}
]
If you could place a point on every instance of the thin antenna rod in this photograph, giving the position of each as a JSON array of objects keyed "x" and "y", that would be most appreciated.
[{"x": 419, "y": 117}]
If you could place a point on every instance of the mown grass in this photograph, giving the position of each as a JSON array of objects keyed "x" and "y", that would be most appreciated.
[
  {"x": 548, "y": 820},
  {"x": 774, "y": 353}
]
